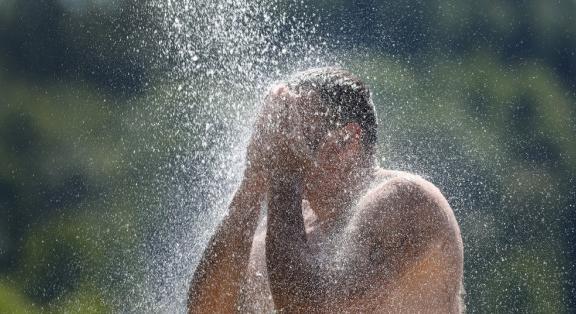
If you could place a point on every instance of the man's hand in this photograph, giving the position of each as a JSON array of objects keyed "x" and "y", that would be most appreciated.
[{"x": 270, "y": 151}]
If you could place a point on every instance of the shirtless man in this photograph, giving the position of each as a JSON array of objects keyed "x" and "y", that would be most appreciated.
[{"x": 340, "y": 234}]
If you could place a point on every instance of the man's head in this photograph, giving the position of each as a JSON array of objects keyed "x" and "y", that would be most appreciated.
[
  {"x": 335, "y": 100},
  {"x": 331, "y": 120}
]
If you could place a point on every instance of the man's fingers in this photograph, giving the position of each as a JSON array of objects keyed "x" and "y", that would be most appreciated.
[
  {"x": 276, "y": 127},
  {"x": 278, "y": 90}
]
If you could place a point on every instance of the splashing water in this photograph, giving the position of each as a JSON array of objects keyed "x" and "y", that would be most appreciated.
[{"x": 223, "y": 55}]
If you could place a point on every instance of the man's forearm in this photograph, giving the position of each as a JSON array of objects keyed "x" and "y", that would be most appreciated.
[
  {"x": 293, "y": 275},
  {"x": 217, "y": 279}
]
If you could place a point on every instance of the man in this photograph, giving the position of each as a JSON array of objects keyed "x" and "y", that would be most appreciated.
[{"x": 340, "y": 234}]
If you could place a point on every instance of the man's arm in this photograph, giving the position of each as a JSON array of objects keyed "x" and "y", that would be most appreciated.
[
  {"x": 216, "y": 283},
  {"x": 295, "y": 278},
  {"x": 217, "y": 279}
]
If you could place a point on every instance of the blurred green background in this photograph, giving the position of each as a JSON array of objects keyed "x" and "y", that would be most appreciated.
[{"x": 478, "y": 96}]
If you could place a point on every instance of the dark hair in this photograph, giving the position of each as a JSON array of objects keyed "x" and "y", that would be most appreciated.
[{"x": 345, "y": 96}]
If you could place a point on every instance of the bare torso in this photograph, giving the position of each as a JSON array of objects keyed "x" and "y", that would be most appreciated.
[{"x": 431, "y": 283}]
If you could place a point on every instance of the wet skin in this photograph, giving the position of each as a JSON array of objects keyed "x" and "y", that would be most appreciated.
[{"x": 340, "y": 234}]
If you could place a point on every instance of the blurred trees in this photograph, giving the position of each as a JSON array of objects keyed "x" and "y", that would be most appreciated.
[
  {"x": 83, "y": 41},
  {"x": 477, "y": 96},
  {"x": 67, "y": 70}
]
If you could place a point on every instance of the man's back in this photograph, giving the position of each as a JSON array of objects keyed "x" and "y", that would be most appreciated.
[{"x": 426, "y": 276}]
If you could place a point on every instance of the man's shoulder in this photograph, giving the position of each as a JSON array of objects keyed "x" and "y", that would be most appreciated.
[
  {"x": 407, "y": 226},
  {"x": 410, "y": 187},
  {"x": 408, "y": 199}
]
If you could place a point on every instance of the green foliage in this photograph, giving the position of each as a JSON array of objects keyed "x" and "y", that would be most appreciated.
[
  {"x": 63, "y": 219},
  {"x": 527, "y": 280},
  {"x": 12, "y": 300},
  {"x": 84, "y": 299}
]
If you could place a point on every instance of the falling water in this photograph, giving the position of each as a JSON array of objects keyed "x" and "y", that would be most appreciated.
[{"x": 221, "y": 57}]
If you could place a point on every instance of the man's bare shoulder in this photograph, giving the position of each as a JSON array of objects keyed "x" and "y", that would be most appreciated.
[
  {"x": 404, "y": 181},
  {"x": 410, "y": 203},
  {"x": 409, "y": 242}
]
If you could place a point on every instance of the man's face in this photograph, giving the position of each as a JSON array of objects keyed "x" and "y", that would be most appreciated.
[
  {"x": 311, "y": 129},
  {"x": 334, "y": 159},
  {"x": 333, "y": 148}
]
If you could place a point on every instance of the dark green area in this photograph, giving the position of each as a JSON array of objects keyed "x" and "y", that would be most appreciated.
[{"x": 478, "y": 96}]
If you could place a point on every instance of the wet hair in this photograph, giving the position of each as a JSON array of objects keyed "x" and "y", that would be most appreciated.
[{"x": 345, "y": 96}]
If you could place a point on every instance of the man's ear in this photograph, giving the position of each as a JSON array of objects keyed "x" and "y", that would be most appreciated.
[{"x": 352, "y": 135}]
